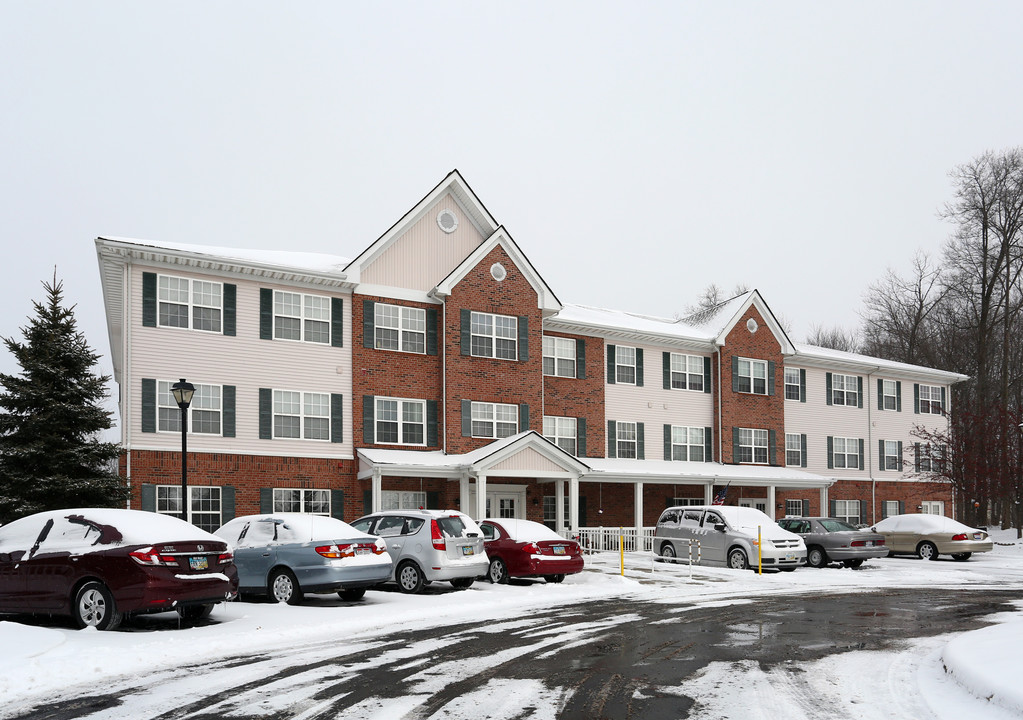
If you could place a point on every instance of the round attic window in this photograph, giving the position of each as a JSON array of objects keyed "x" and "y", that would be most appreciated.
[
  {"x": 498, "y": 272},
  {"x": 447, "y": 220},
  {"x": 751, "y": 325}
]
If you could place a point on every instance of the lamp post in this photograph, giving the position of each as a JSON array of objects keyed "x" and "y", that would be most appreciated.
[{"x": 182, "y": 392}]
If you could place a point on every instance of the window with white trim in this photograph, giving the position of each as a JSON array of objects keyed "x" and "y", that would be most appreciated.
[
  {"x": 687, "y": 501},
  {"x": 889, "y": 394},
  {"x": 752, "y": 376},
  {"x": 687, "y": 443},
  {"x": 930, "y": 399},
  {"x": 303, "y": 415},
  {"x": 627, "y": 440},
  {"x": 300, "y": 500},
  {"x": 892, "y": 461},
  {"x": 625, "y": 365},
  {"x": 793, "y": 450},
  {"x": 558, "y": 356},
  {"x": 753, "y": 445},
  {"x": 931, "y": 457},
  {"x": 400, "y": 328},
  {"x": 301, "y": 317},
  {"x": 891, "y": 507},
  {"x": 848, "y": 511},
  {"x": 204, "y": 508},
  {"x": 932, "y": 507},
  {"x": 793, "y": 508},
  {"x": 845, "y": 390},
  {"x": 204, "y": 412},
  {"x": 686, "y": 372},
  {"x": 846, "y": 453},
  {"x": 181, "y": 301},
  {"x": 495, "y": 336},
  {"x": 402, "y": 500},
  {"x": 494, "y": 420},
  {"x": 792, "y": 384},
  {"x": 562, "y": 431},
  {"x": 400, "y": 422}
]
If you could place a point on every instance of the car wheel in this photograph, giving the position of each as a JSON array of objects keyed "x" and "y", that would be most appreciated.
[
  {"x": 498, "y": 572},
  {"x": 94, "y": 607},
  {"x": 816, "y": 557},
  {"x": 927, "y": 551},
  {"x": 462, "y": 583},
  {"x": 961, "y": 557},
  {"x": 193, "y": 613},
  {"x": 352, "y": 594},
  {"x": 410, "y": 577},
  {"x": 853, "y": 563},
  {"x": 668, "y": 552},
  {"x": 554, "y": 578},
  {"x": 284, "y": 587},
  {"x": 737, "y": 559}
]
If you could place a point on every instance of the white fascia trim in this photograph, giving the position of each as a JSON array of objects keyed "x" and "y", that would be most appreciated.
[
  {"x": 227, "y": 451},
  {"x": 395, "y": 293},
  {"x": 609, "y": 332},
  {"x": 871, "y": 366},
  {"x": 787, "y": 347}
]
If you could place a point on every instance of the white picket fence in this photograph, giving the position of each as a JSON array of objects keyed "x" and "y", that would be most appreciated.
[{"x": 612, "y": 539}]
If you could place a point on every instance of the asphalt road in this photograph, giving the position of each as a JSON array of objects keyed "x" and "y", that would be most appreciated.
[{"x": 612, "y": 659}]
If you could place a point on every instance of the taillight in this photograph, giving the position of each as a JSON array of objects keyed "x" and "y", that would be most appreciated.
[
  {"x": 336, "y": 552},
  {"x": 531, "y": 548},
  {"x": 380, "y": 547},
  {"x": 438, "y": 539},
  {"x": 960, "y": 536},
  {"x": 152, "y": 557},
  {"x": 224, "y": 558},
  {"x": 858, "y": 543}
]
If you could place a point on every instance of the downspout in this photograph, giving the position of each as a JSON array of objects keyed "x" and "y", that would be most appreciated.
[
  {"x": 124, "y": 398},
  {"x": 870, "y": 444}
]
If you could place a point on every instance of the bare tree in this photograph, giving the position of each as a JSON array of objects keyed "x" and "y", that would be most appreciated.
[{"x": 836, "y": 338}]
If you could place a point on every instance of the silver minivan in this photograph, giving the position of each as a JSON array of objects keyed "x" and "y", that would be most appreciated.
[{"x": 727, "y": 536}]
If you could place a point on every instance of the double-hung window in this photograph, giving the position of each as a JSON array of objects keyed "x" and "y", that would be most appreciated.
[
  {"x": 792, "y": 384},
  {"x": 204, "y": 411},
  {"x": 929, "y": 457},
  {"x": 889, "y": 395},
  {"x": 687, "y": 443},
  {"x": 400, "y": 422},
  {"x": 400, "y": 328},
  {"x": 752, "y": 376},
  {"x": 686, "y": 372},
  {"x": 182, "y": 302},
  {"x": 846, "y": 453},
  {"x": 204, "y": 507},
  {"x": 793, "y": 508},
  {"x": 930, "y": 399},
  {"x": 559, "y": 356},
  {"x": 753, "y": 445},
  {"x": 625, "y": 365},
  {"x": 794, "y": 443},
  {"x": 301, "y": 415},
  {"x": 848, "y": 510},
  {"x": 845, "y": 390},
  {"x": 494, "y": 336},
  {"x": 892, "y": 458},
  {"x": 301, "y": 317},
  {"x": 402, "y": 500},
  {"x": 627, "y": 440},
  {"x": 494, "y": 420},
  {"x": 562, "y": 431},
  {"x": 297, "y": 500}
]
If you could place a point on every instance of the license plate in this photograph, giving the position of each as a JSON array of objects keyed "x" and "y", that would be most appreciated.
[
  {"x": 869, "y": 543},
  {"x": 790, "y": 556},
  {"x": 362, "y": 551},
  {"x": 468, "y": 550},
  {"x": 198, "y": 563},
  {"x": 559, "y": 549},
  {"x": 977, "y": 536}
]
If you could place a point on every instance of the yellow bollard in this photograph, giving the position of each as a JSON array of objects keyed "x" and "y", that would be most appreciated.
[
  {"x": 621, "y": 548},
  {"x": 760, "y": 553}
]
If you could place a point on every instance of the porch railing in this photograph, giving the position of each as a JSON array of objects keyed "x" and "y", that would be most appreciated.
[{"x": 606, "y": 539}]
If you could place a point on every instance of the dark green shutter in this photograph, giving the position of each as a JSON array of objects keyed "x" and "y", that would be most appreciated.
[
  {"x": 772, "y": 447},
  {"x": 942, "y": 399},
  {"x": 612, "y": 439},
  {"x": 802, "y": 449},
  {"x": 523, "y": 338},
  {"x": 902, "y": 507},
  {"x": 432, "y": 439},
  {"x": 148, "y": 405},
  {"x": 898, "y": 395},
  {"x": 266, "y": 314},
  {"x": 432, "y": 318},
  {"x": 667, "y": 443},
  {"x": 148, "y": 497},
  {"x": 611, "y": 364},
  {"x": 831, "y": 453},
  {"x": 337, "y": 322},
  {"x": 735, "y": 373},
  {"x": 880, "y": 454},
  {"x": 802, "y": 385},
  {"x": 580, "y": 358},
  {"x": 337, "y": 417},
  {"x": 806, "y": 508},
  {"x": 735, "y": 445},
  {"x": 706, "y": 374},
  {"x": 266, "y": 500},
  {"x": 337, "y": 504},
  {"x": 899, "y": 451},
  {"x": 708, "y": 446},
  {"x": 666, "y": 370},
  {"x": 466, "y": 418},
  {"x": 523, "y": 417},
  {"x": 862, "y": 465},
  {"x": 916, "y": 457},
  {"x": 639, "y": 367},
  {"x": 770, "y": 377},
  {"x": 827, "y": 385},
  {"x": 369, "y": 419},
  {"x": 916, "y": 398},
  {"x": 367, "y": 502},
  {"x": 369, "y": 318},
  {"x": 580, "y": 439},
  {"x": 466, "y": 334},
  {"x": 227, "y": 511},
  {"x": 880, "y": 394},
  {"x": 149, "y": 300},
  {"x": 266, "y": 413},
  {"x": 859, "y": 392},
  {"x": 832, "y": 508},
  {"x": 230, "y": 309},
  {"x": 640, "y": 442},
  {"x": 228, "y": 395}
]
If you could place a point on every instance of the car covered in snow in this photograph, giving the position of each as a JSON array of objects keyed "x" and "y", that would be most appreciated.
[
  {"x": 286, "y": 555},
  {"x": 523, "y": 548},
  {"x": 928, "y": 536},
  {"x": 831, "y": 540},
  {"x": 429, "y": 546},
  {"x": 100, "y": 565}
]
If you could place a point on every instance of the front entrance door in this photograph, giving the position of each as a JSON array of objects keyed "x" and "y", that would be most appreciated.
[
  {"x": 758, "y": 503},
  {"x": 504, "y": 505}
]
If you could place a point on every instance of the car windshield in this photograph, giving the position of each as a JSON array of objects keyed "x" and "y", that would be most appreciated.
[{"x": 836, "y": 525}]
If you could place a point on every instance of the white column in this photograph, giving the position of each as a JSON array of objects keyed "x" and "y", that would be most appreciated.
[
  {"x": 463, "y": 494},
  {"x": 825, "y": 510},
  {"x": 559, "y": 506},
  {"x": 637, "y": 505},
  {"x": 772, "y": 511},
  {"x": 708, "y": 493},
  {"x": 573, "y": 503},
  {"x": 481, "y": 497},
  {"x": 377, "y": 491}
]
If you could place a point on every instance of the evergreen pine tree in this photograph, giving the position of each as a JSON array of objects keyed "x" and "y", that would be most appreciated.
[{"x": 51, "y": 452}]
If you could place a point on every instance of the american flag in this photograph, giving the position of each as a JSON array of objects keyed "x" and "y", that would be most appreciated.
[{"x": 719, "y": 498}]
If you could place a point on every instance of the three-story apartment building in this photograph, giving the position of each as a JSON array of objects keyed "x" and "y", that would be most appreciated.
[{"x": 437, "y": 368}]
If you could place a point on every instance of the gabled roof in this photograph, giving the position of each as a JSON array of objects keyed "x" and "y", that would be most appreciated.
[
  {"x": 546, "y": 299},
  {"x": 721, "y": 318},
  {"x": 453, "y": 184}
]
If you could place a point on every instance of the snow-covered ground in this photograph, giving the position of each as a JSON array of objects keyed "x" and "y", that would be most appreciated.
[{"x": 972, "y": 674}]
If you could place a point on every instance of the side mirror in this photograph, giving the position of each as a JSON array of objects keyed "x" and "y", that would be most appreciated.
[{"x": 720, "y": 527}]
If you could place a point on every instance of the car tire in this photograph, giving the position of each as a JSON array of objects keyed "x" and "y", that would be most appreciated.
[
  {"x": 853, "y": 563},
  {"x": 668, "y": 552},
  {"x": 737, "y": 559},
  {"x": 410, "y": 577},
  {"x": 94, "y": 606},
  {"x": 352, "y": 594},
  {"x": 927, "y": 551},
  {"x": 962, "y": 557},
  {"x": 194, "y": 613},
  {"x": 462, "y": 583},
  {"x": 555, "y": 579},
  {"x": 816, "y": 557},
  {"x": 283, "y": 587},
  {"x": 498, "y": 571}
]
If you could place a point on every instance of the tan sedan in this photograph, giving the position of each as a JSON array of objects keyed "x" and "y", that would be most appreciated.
[{"x": 928, "y": 536}]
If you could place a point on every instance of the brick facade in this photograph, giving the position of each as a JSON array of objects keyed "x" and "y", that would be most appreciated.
[{"x": 581, "y": 397}]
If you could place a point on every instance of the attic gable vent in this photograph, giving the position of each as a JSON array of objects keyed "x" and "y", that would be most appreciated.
[{"x": 447, "y": 220}]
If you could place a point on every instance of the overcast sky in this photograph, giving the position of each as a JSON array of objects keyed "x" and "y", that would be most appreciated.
[{"x": 635, "y": 151}]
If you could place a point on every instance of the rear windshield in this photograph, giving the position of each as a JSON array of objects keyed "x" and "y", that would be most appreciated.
[{"x": 451, "y": 526}]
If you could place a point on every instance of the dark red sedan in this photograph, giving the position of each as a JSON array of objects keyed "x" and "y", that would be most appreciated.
[
  {"x": 523, "y": 548},
  {"x": 99, "y": 565}
]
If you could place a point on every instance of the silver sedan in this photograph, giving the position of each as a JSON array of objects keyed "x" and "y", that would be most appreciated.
[{"x": 829, "y": 540}]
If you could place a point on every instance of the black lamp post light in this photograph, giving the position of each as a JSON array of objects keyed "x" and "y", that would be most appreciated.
[{"x": 183, "y": 392}]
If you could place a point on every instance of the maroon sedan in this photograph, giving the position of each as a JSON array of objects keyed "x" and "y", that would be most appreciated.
[
  {"x": 522, "y": 548},
  {"x": 99, "y": 565}
]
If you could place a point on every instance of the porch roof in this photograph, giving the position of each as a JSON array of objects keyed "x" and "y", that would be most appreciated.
[{"x": 705, "y": 473}]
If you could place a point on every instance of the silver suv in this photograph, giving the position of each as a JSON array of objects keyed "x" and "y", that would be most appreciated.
[
  {"x": 429, "y": 545},
  {"x": 727, "y": 536}
]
